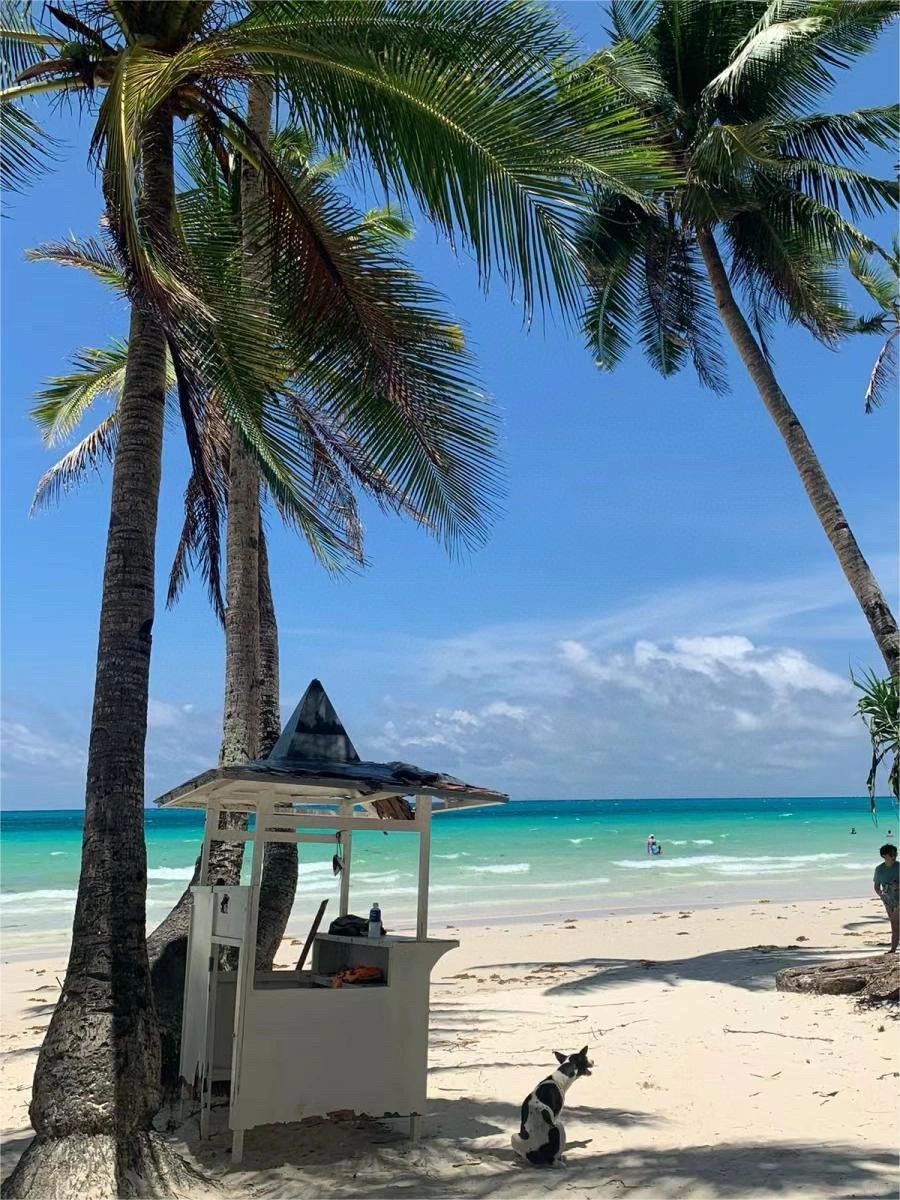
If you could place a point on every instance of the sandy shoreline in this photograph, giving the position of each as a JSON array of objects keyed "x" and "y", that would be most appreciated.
[{"x": 707, "y": 1082}]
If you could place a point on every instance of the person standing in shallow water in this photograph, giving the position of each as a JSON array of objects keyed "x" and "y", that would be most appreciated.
[{"x": 887, "y": 886}]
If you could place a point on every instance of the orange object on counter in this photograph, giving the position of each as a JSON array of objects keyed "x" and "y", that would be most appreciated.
[{"x": 360, "y": 974}]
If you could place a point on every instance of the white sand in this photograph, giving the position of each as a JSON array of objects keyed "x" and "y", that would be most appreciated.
[{"x": 707, "y": 1082}]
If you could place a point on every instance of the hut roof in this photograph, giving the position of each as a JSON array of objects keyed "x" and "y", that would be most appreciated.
[{"x": 314, "y": 760}]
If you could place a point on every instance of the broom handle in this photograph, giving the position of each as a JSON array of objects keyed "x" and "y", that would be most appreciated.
[{"x": 314, "y": 929}]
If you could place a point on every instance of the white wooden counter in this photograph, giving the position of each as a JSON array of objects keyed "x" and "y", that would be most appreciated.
[{"x": 319, "y": 1049}]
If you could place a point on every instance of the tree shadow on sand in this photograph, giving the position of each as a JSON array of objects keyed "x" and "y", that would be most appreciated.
[
  {"x": 752, "y": 968},
  {"x": 369, "y": 1160}
]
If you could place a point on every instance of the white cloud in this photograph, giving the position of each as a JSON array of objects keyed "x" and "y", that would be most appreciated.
[
  {"x": 502, "y": 708},
  {"x": 38, "y": 748},
  {"x": 161, "y": 714},
  {"x": 704, "y": 713},
  {"x": 783, "y": 670},
  {"x": 713, "y": 688}
]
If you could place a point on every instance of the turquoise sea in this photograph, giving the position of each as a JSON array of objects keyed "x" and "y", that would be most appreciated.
[{"x": 522, "y": 860}]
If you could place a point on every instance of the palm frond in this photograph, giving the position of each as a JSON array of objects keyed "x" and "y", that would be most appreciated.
[
  {"x": 26, "y": 151},
  {"x": 488, "y": 146},
  {"x": 631, "y": 70},
  {"x": 835, "y": 136},
  {"x": 631, "y": 20},
  {"x": 121, "y": 135},
  {"x": 793, "y": 261},
  {"x": 90, "y": 454},
  {"x": 22, "y": 44},
  {"x": 89, "y": 254},
  {"x": 883, "y": 379},
  {"x": 64, "y": 399},
  {"x": 678, "y": 317},
  {"x": 790, "y": 55},
  {"x": 199, "y": 545},
  {"x": 389, "y": 369},
  {"x": 882, "y": 285},
  {"x": 840, "y": 187},
  {"x": 611, "y": 242}
]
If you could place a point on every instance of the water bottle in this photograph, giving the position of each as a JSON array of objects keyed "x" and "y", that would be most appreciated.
[{"x": 374, "y": 921}]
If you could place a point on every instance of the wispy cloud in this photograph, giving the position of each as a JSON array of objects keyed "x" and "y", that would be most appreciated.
[
  {"x": 717, "y": 688},
  {"x": 162, "y": 714},
  {"x": 701, "y": 715},
  {"x": 41, "y": 749}
]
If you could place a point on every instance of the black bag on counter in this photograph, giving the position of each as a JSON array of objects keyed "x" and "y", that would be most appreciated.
[{"x": 350, "y": 926}]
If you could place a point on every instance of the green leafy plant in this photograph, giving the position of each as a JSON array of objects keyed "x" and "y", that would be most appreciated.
[{"x": 877, "y": 708}]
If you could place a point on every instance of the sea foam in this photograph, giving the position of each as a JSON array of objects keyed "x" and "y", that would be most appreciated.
[
  {"x": 38, "y": 894},
  {"x": 726, "y": 864},
  {"x": 501, "y": 869},
  {"x": 170, "y": 872}
]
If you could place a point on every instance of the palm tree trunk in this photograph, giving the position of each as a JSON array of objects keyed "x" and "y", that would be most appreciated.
[
  {"x": 240, "y": 716},
  {"x": 250, "y": 724},
  {"x": 240, "y": 727},
  {"x": 818, "y": 489},
  {"x": 279, "y": 881},
  {"x": 167, "y": 944},
  {"x": 252, "y": 641},
  {"x": 96, "y": 1086}
]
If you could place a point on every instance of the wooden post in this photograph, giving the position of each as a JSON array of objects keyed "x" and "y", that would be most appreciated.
[
  {"x": 209, "y": 1054},
  {"x": 423, "y": 823},
  {"x": 347, "y": 844},
  {"x": 211, "y": 825},
  {"x": 237, "y": 1147},
  {"x": 247, "y": 968}
]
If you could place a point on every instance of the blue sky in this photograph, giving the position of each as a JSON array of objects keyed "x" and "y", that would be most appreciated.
[{"x": 657, "y": 612}]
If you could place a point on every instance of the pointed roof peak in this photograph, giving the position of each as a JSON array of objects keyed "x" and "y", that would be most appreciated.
[{"x": 314, "y": 732}]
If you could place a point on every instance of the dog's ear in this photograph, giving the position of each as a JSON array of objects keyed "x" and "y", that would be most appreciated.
[
  {"x": 561, "y": 1057},
  {"x": 583, "y": 1052}
]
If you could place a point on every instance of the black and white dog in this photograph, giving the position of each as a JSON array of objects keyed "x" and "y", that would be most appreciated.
[{"x": 542, "y": 1138}]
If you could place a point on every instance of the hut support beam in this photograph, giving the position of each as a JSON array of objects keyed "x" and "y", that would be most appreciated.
[
  {"x": 423, "y": 823},
  {"x": 346, "y": 837}
]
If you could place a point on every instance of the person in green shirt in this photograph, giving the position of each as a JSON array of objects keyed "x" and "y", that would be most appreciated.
[{"x": 887, "y": 886}]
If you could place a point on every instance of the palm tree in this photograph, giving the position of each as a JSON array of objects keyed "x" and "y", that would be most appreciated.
[
  {"x": 730, "y": 88},
  {"x": 339, "y": 459},
  {"x": 456, "y": 106},
  {"x": 883, "y": 286}
]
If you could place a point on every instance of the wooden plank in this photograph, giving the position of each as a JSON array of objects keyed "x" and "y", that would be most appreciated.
[
  {"x": 282, "y": 821},
  {"x": 313, "y": 930}
]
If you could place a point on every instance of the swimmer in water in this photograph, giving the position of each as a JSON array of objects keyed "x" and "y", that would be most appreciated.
[
  {"x": 853, "y": 829},
  {"x": 651, "y": 843}
]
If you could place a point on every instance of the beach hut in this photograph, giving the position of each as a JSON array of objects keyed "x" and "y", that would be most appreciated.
[{"x": 288, "y": 1043}]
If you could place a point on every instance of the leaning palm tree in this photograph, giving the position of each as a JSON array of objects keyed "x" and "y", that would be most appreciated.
[
  {"x": 769, "y": 182},
  {"x": 456, "y": 106},
  {"x": 883, "y": 286}
]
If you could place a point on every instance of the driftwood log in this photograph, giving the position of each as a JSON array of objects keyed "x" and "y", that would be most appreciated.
[{"x": 875, "y": 979}]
